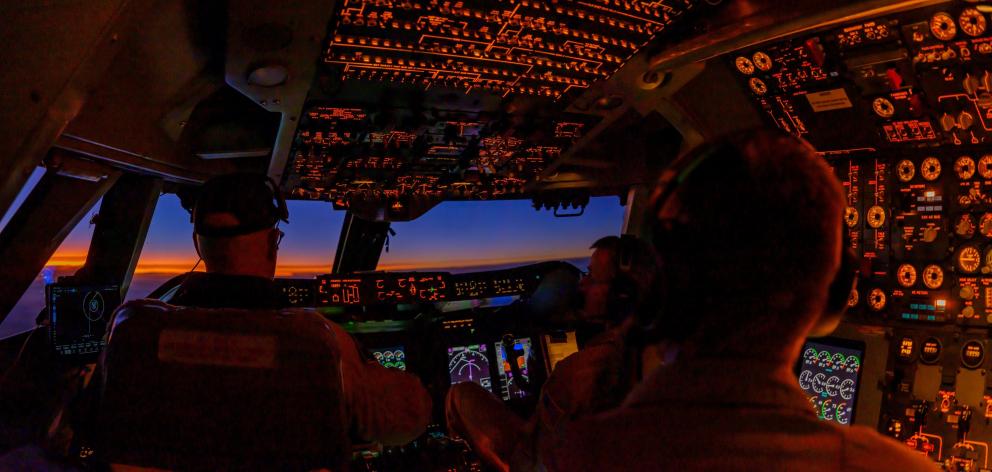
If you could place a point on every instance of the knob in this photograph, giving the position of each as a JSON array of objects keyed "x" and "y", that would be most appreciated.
[
  {"x": 967, "y": 293},
  {"x": 930, "y": 235},
  {"x": 965, "y": 120},
  {"x": 947, "y": 122},
  {"x": 970, "y": 84},
  {"x": 968, "y": 312}
]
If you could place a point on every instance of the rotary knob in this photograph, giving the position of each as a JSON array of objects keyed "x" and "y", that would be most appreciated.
[
  {"x": 970, "y": 84},
  {"x": 966, "y": 293},
  {"x": 968, "y": 312},
  {"x": 947, "y": 122},
  {"x": 930, "y": 234},
  {"x": 965, "y": 120}
]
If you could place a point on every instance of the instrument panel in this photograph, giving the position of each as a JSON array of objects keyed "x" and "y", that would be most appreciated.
[{"x": 901, "y": 108}]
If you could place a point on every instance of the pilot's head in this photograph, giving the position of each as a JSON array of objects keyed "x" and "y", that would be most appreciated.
[
  {"x": 621, "y": 271},
  {"x": 749, "y": 236},
  {"x": 235, "y": 223}
]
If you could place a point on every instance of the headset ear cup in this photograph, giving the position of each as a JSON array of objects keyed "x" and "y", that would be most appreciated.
[{"x": 844, "y": 282}]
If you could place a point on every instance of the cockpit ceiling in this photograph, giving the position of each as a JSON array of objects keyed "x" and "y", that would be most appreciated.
[{"x": 422, "y": 101}]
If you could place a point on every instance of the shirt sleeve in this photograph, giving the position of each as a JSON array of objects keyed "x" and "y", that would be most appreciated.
[{"x": 388, "y": 406}]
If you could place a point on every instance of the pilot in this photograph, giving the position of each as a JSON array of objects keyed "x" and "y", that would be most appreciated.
[
  {"x": 235, "y": 232},
  {"x": 592, "y": 380},
  {"x": 748, "y": 231}
]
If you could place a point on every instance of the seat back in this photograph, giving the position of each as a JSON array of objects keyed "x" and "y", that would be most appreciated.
[{"x": 188, "y": 388}]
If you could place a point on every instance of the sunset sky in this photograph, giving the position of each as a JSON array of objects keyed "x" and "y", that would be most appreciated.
[{"x": 454, "y": 234}]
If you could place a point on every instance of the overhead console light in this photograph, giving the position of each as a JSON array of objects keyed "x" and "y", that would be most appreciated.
[{"x": 268, "y": 75}]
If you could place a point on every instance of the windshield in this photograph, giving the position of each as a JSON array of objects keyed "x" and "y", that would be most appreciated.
[{"x": 466, "y": 236}]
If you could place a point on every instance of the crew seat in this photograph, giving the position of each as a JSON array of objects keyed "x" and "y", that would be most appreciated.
[{"x": 220, "y": 389}]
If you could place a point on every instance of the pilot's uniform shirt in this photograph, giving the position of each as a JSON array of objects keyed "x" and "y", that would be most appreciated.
[
  {"x": 725, "y": 415},
  {"x": 386, "y": 405}
]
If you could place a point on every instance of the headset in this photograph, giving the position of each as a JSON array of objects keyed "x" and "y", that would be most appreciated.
[
  {"x": 624, "y": 292},
  {"x": 672, "y": 178}
]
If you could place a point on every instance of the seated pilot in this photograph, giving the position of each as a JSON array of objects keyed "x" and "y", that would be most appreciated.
[
  {"x": 592, "y": 380},
  {"x": 235, "y": 233},
  {"x": 749, "y": 236}
]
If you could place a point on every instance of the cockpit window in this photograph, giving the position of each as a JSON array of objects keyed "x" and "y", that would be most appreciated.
[{"x": 464, "y": 236}]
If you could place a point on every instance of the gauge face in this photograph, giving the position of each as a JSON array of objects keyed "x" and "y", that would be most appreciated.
[
  {"x": 907, "y": 275},
  {"x": 964, "y": 226},
  {"x": 985, "y": 166},
  {"x": 906, "y": 170},
  {"x": 964, "y": 167},
  {"x": 942, "y": 26},
  {"x": 876, "y": 299},
  {"x": 762, "y": 61},
  {"x": 930, "y": 351},
  {"x": 853, "y": 298},
  {"x": 972, "y": 22},
  {"x": 883, "y": 107},
  {"x": 876, "y": 217},
  {"x": 930, "y": 169},
  {"x": 972, "y": 354},
  {"x": 933, "y": 276},
  {"x": 744, "y": 65},
  {"x": 851, "y": 217},
  {"x": 757, "y": 86},
  {"x": 969, "y": 259},
  {"x": 985, "y": 225}
]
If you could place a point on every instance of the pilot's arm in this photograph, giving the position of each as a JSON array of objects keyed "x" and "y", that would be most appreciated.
[{"x": 388, "y": 406}]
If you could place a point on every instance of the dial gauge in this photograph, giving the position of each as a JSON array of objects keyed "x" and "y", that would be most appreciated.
[
  {"x": 876, "y": 299},
  {"x": 985, "y": 166},
  {"x": 972, "y": 22},
  {"x": 964, "y": 226},
  {"x": 942, "y": 26},
  {"x": 906, "y": 275},
  {"x": 758, "y": 86},
  {"x": 933, "y": 276},
  {"x": 851, "y": 217},
  {"x": 930, "y": 168},
  {"x": 762, "y": 61},
  {"x": 876, "y": 217},
  {"x": 744, "y": 65},
  {"x": 964, "y": 167},
  {"x": 969, "y": 259},
  {"x": 853, "y": 298},
  {"x": 883, "y": 107},
  {"x": 906, "y": 170},
  {"x": 987, "y": 261},
  {"x": 985, "y": 225}
]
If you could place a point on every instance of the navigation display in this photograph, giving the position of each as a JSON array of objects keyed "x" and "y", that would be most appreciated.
[
  {"x": 392, "y": 357},
  {"x": 469, "y": 364},
  {"x": 79, "y": 317},
  {"x": 510, "y": 388},
  {"x": 829, "y": 373}
]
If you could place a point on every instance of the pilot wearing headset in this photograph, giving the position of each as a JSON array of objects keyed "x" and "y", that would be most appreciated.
[
  {"x": 592, "y": 380},
  {"x": 748, "y": 232},
  {"x": 235, "y": 232}
]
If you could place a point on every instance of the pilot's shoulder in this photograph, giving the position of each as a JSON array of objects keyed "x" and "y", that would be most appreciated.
[{"x": 866, "y": 449}]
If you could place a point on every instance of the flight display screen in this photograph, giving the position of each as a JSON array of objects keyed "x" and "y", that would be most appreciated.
[
  {"x": 829, "y": 373},
  {"x": 510, "y": 388},
  {"x": 382, "y": 288},
  {"x": 79, "y": 317},
  {"x": 469, "y": 364},
  {"x": 390, "y": 357}
]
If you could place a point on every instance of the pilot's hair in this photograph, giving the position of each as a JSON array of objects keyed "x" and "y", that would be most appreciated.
[
  {"x": 641, "y": 255},
  {"x": 758, "y": 245}
]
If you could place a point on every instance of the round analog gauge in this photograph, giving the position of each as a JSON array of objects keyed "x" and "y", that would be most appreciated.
[
  {"x": 762, "y": 61},
  {"x": 744, "y": 65},
  {"x": 851, "y": 217},
  {"x": 972, "y": 354},
  {"x": 757, "y": 86},
  {"x": 972, "y": 22},
  {"x": 933, "y": 276},
  {"x": 985, "y": 166},
  {"x": 930, "y": 169},
  {"x": 985, "y": 225},
  {"x": 853, "y": 298},
  {"x": 969, "y": 259},
  {"x": 906, "y": 170},
  {"x": 987, "y": 266},
  {"x": 907, "y": 275},
  {"x": 964, "y": 226},
  {"x": 964, "y": 167},
  {"x": 876, "y": 217},
  {"x": 930, "y": 351},
  {"x": 942, "y": 26},
  {"x": 883, "y": 107},
  {"x": 876, "y": 299}
]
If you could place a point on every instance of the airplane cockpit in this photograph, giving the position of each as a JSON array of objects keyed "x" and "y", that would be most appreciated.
[{"x": 386, "y": 110}]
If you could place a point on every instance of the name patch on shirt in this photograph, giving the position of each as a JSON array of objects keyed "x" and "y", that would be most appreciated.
[{"x": 207, "y": 348}]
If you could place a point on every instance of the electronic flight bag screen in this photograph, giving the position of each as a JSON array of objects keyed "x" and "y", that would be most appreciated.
[
  {"x": 829, "y": 373},
  {"x": 79, "y": 315}
]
